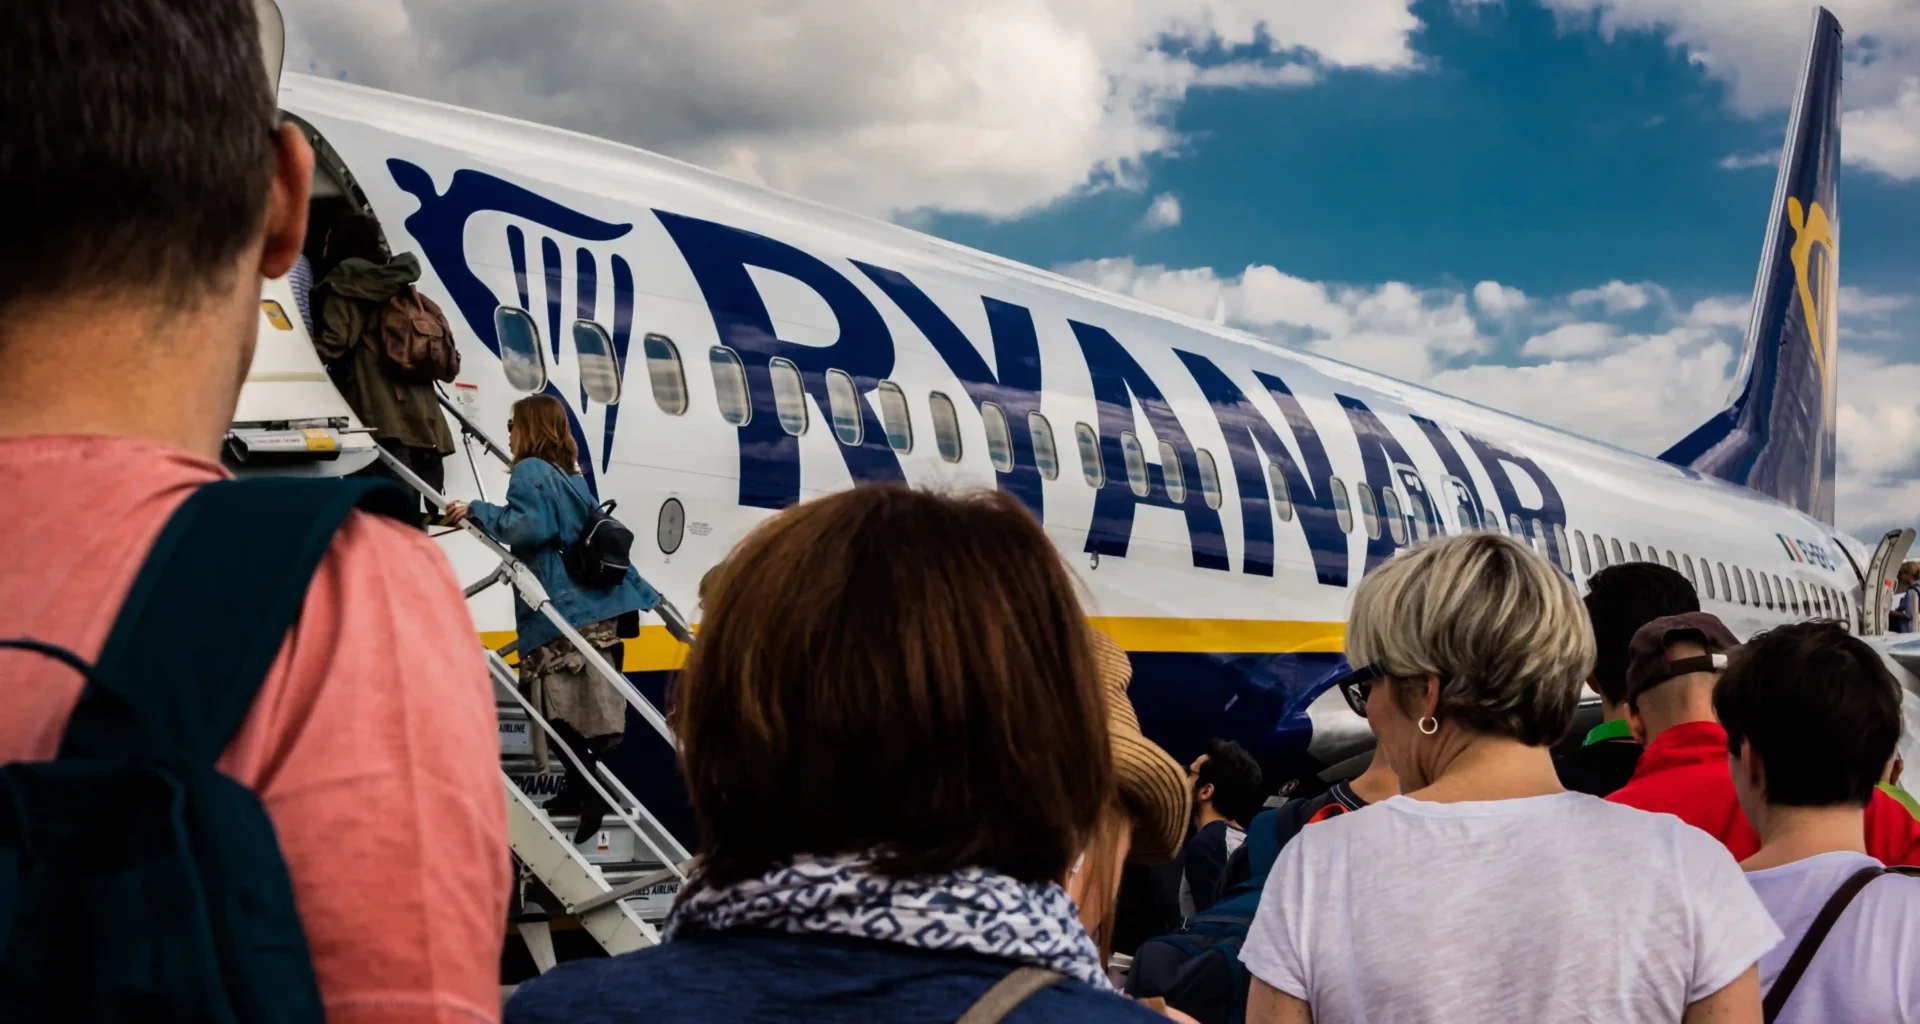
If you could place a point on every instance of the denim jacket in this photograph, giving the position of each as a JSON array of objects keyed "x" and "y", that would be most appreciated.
[{"x": 545, "y": 511}]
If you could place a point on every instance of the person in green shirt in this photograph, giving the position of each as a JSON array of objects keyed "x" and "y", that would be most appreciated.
[{"x": 1619, "y": 601}]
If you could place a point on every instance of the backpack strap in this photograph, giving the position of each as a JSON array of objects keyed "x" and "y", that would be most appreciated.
[
  {"x": 209, "y": 611},
  {"x": 1810, "y": 943},
  {"x": 1007, "y": 994}
]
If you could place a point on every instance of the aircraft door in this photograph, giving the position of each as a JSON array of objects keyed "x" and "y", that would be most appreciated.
[
  {"x": 1422, "y": 509},
  {"x": 1876, "y": 599}
]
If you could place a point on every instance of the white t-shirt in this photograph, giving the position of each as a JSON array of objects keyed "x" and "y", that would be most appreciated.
[
  {"x": 1547, "y": 909},
  {"x": 1868, "y": 969}
]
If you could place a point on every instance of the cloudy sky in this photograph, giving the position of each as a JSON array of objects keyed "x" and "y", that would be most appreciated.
[{"x": 1552, "y": 206}]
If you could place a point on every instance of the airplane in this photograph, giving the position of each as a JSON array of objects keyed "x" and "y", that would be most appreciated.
[{"x": 725, "y": 351}]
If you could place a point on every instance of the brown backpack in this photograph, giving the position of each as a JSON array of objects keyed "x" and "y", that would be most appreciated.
[{"x": 414, "y": 336}]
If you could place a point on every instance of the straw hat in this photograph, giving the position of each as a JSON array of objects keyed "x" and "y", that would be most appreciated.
[{"x": 1152, "y": 784}]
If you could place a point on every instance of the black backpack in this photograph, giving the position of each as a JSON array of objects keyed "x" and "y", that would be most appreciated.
[
  {"x": 1198, "y": 969},
  {"x": 600, "y": 557},
  {"x": 137, "y": 882}
]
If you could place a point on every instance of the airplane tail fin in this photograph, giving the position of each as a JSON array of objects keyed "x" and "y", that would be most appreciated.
[{"x": 1776, "y": 435}]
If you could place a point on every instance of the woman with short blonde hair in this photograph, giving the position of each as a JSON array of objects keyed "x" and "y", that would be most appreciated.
[{"x": 1488, "y": 892}]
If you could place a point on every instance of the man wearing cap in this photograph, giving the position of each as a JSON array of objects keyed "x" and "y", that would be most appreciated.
[{"x": 1673, "y": 664}]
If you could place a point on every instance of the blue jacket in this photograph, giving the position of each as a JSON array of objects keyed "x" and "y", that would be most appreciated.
[
  {"x": 545, "y": 511},
  {"x": 746, "y": 977}
]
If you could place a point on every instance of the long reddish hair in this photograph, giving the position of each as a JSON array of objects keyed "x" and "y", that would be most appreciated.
[{"x": 541, "y": 432}]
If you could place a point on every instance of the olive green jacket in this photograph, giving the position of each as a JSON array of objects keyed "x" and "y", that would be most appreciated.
[{"x": 349, "y": 302}]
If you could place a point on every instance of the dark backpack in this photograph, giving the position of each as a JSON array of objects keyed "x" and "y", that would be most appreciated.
[
  {"x": 137, "y": 882},
  {"x": 1197, "y": 970},
  {"x": 600, "y": 557},
  {"x": 414, "y": 336}
]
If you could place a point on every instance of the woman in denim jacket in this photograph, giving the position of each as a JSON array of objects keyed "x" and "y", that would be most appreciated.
[{"x": 546, "y": 510}]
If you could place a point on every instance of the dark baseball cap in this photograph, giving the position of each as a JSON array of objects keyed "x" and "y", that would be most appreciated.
[{"x": 1647, "y": 663}]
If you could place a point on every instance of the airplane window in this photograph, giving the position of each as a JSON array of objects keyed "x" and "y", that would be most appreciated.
[
  {"x": 1580, "y": 545},
  {"x": 1784, "y": 596},
  {"x": 1209, "y": 479},
  {"x": 1749, "y": 590},
  {"x": 1706, "y": 578},
  {"x": 789, "y": 396},
  {"x": 1599, "y": 552},
  {"x": 1691, "y": 578},
  {"x": 1672, "y": 563},
  {"x": 1726, "y": 592},
  {"x": 664, "y": 372},
  {"x": 1282, "y": 500},
  {"x": 1369, "y": 513},
  {"x": 729, "y": 385},
  {"x": 1806, "y": 598},
  {"x": 521, "y": 356},
  {"x": 1417, "y": 509},
  {"x": 1635, "y": 548},
  {"x": 1537, "y": 539},
  {"x": 1396, "y": 520},
  {"x": 1171, "y": 474},
  {"x": 1342, "y": 514},
  {"x": 843, "y": 401},
  {"x": 1044, "y": 455},
  {"x": 1766, "y": 592},
  {"x": 999, "y": 441},
  {"x": 895, "y": 418},
  {"x": 946, "y": 426},
  {"x": 1560, "y": 545},
  {"x": 1136, "y": 460},
  {"x": 1492, "y": 521},
  {"x": 1468, "y": 521},
  {"x": 1513, "y": 526},
  {"x": 599, "y": 367},
  {"x": 1619, "y": 556},
  {"x": 1091, "y": 468}
]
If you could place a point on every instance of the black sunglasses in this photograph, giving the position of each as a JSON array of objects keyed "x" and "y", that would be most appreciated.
[{"x": 1357, "y": 686}]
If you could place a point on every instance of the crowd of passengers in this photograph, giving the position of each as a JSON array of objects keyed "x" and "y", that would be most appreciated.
[{"x": 919, "y": 782}]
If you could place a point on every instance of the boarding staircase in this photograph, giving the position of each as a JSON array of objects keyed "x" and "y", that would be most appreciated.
[{"x": 617, "y": 885}]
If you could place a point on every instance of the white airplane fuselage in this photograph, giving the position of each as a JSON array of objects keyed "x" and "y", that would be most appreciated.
[{"x": 1230, "y": 600}]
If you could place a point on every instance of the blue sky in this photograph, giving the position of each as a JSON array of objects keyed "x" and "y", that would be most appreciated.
[
  {"x": 1544, "y": 158},
  {"x": 1551, "y": 206}
]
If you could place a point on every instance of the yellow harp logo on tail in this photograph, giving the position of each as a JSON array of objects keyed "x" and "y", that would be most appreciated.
[{"x": 1819, "y": 281}]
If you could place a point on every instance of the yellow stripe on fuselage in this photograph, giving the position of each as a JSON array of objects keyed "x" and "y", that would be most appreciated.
[{"x": 655, "y": 650}]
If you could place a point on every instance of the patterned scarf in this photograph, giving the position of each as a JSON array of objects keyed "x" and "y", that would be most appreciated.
[{"x": 972, "y": 909}]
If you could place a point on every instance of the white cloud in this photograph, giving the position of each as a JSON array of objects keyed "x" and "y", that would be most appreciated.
[
  {"x": 1164, "y": 213},
  {"x": 1497, "y": 300},
  {"x": 885, "y": 106},
  {"x": 1744, "y": 161},
  {"x": 1614, "y": 296},
  {"x": 1576, "y": 339},
  {"x": 1246, "y": 74},
  {"x": 1887, "y": 139}
]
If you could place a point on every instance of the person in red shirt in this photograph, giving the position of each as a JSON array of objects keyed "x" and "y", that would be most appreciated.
[{"x": 1672, "y": 667}]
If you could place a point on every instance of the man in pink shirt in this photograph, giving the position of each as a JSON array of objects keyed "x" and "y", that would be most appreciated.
[{"x": 145, "y": 193}]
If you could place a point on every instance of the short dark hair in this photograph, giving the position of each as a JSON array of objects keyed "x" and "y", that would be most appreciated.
[
  {"x": 1622, "y": 598},
  {"x": 137, "y": 149},
  {"x": 1819, "y": 707},
  {"x": 1235, "y": 777},
  {"x": 901, "y": 671},
  {"x": 354, "y": 236}
]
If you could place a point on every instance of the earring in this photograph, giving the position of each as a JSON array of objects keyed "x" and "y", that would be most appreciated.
[{"x": 1428, "y": 725}]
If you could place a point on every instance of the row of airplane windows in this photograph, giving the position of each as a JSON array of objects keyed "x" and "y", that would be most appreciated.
[{"x": 1405, "y": 518}]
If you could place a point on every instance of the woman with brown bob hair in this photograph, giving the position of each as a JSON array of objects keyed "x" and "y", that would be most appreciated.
[
  {"x": 547, "y": 508},
  {"x": 896, "y": 744}
]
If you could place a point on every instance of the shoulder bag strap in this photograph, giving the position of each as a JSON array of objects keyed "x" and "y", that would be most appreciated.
[
  {"x": 1007, "y": 994},
  {"x": 209, "y": 611},
  {"x": 1810, "y": 943}
]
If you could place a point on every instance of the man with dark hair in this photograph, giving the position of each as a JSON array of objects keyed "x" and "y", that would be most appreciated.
[
  {"x": 1226, "y": 795},
  {"x": 146, "y": 190},
  {"x": 1812, "y": 717},
  {"x": 1619, "y": 601},
  {"x": 1674, "y": 667}
]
